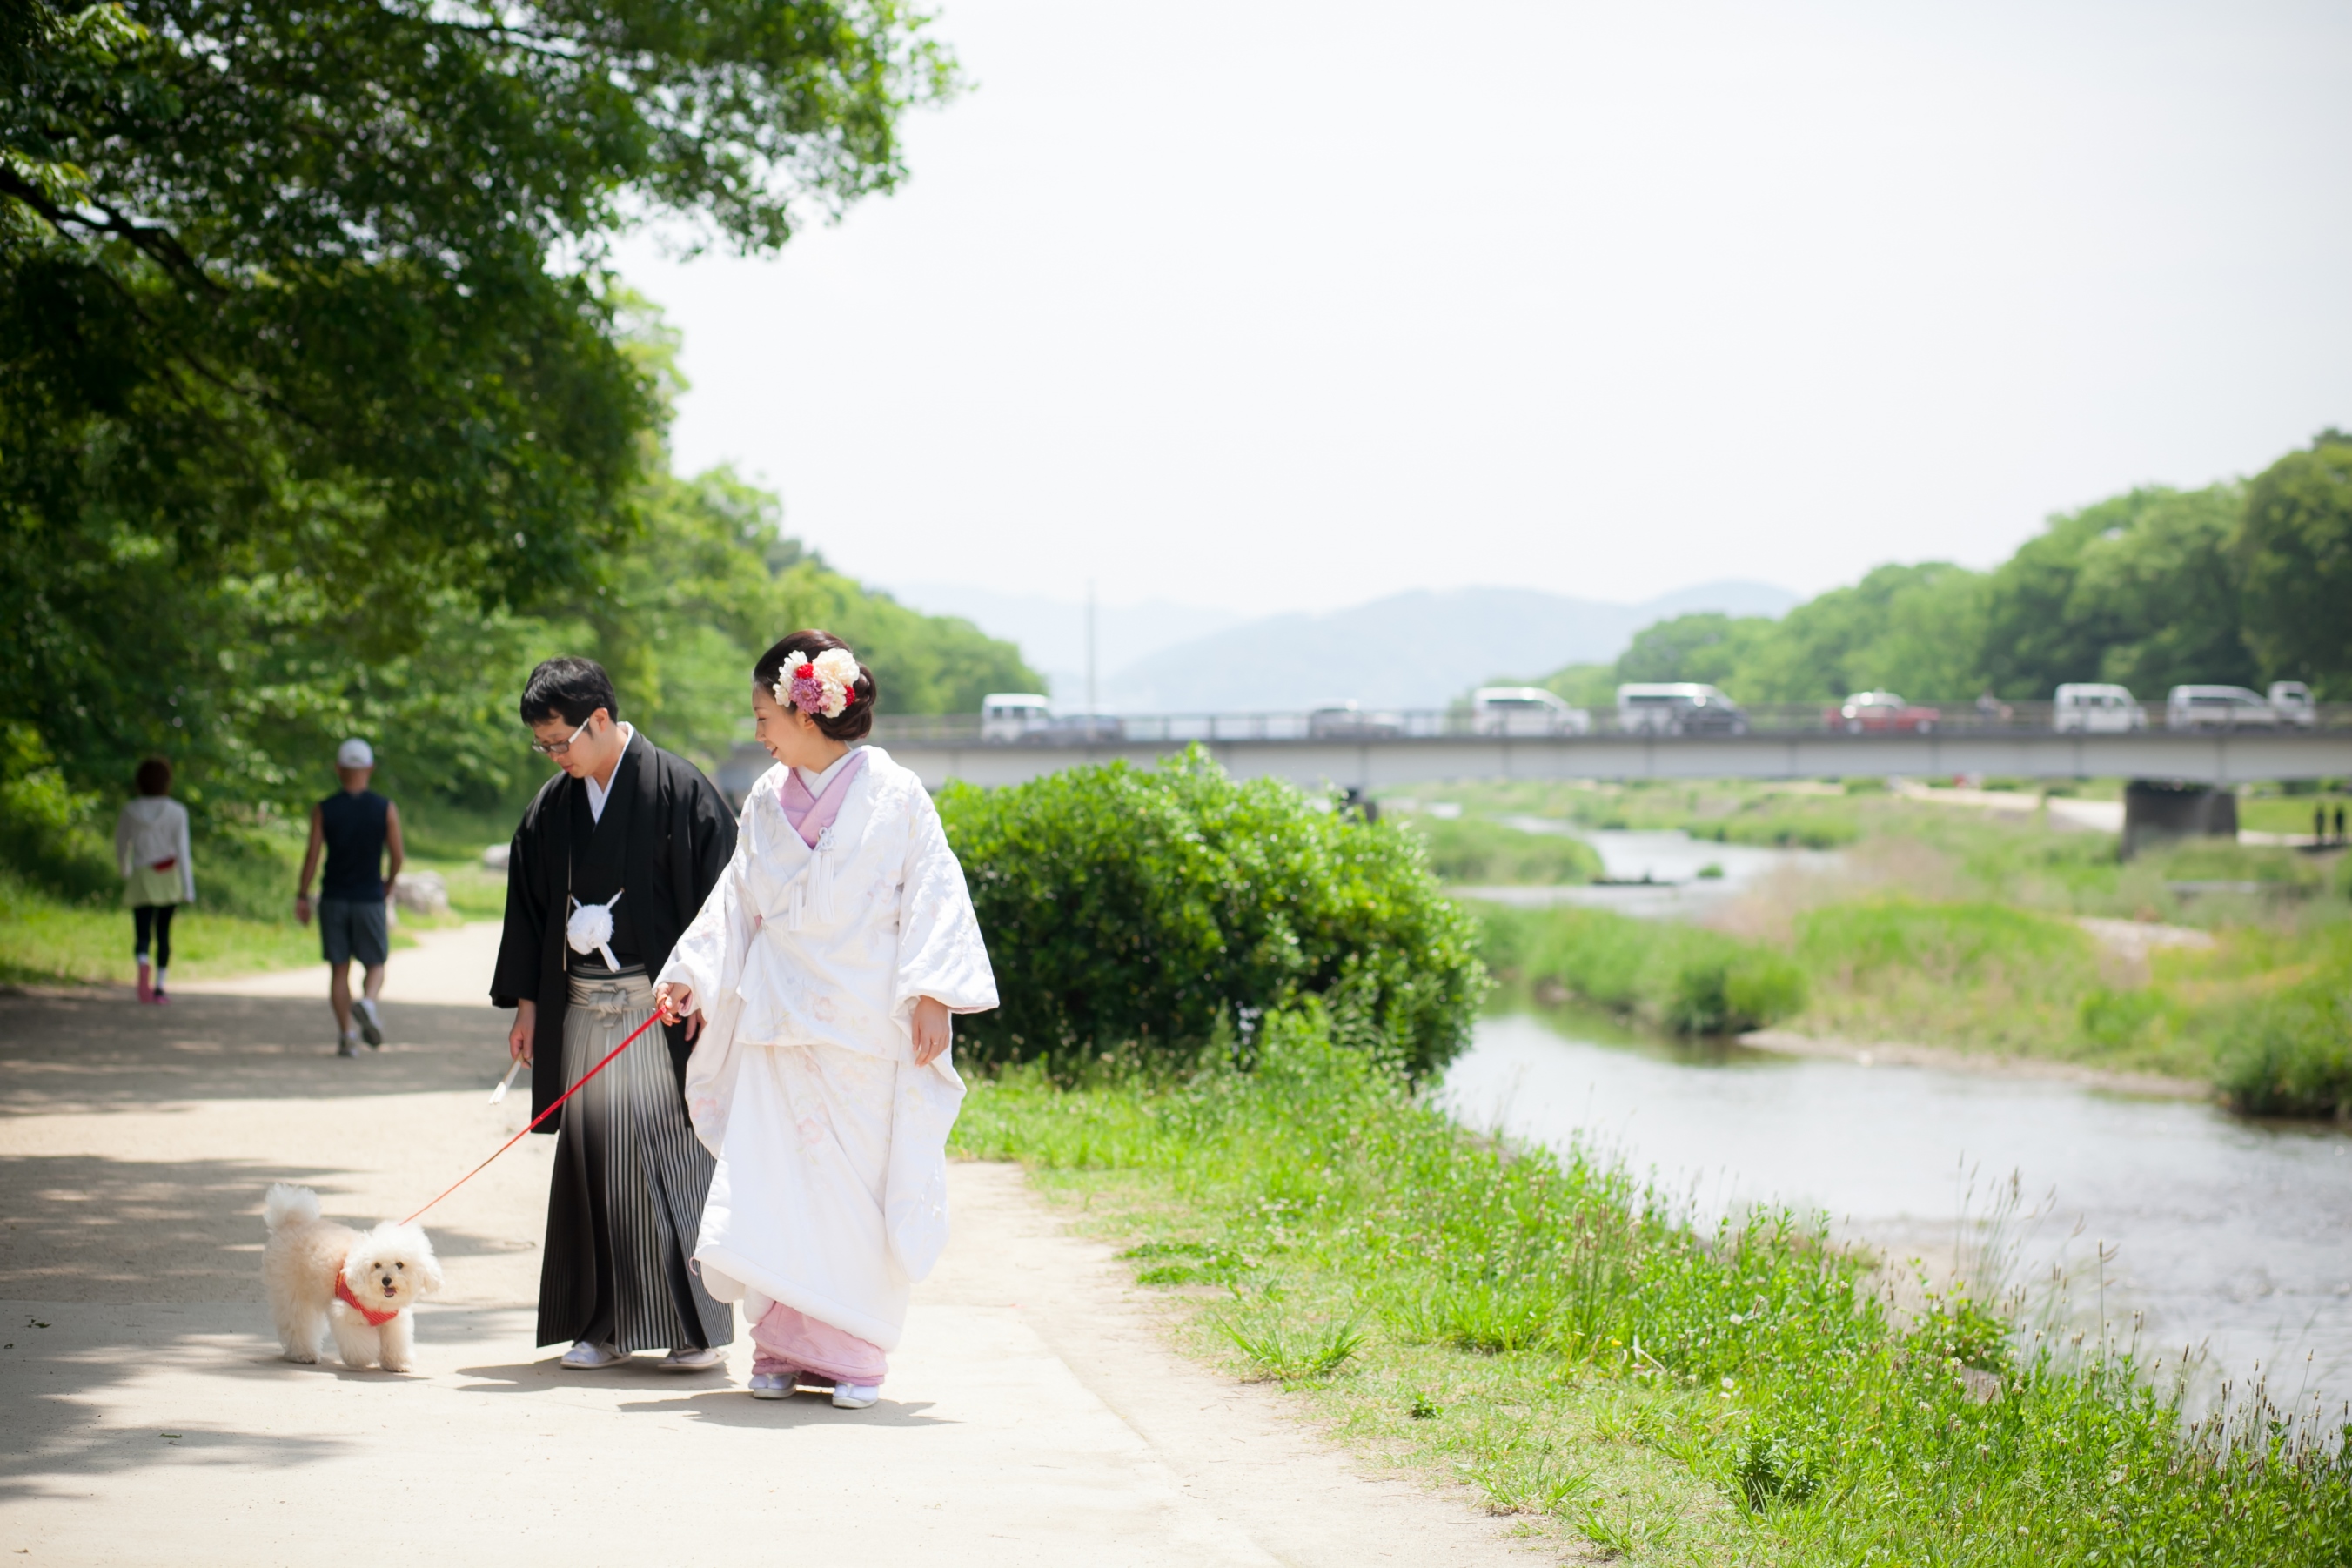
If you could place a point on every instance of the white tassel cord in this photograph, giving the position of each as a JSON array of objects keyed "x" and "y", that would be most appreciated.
[{"x": 590, "y": 930}]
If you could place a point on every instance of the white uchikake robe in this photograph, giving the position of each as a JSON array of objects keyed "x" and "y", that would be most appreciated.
[{"x": 831, "y": 1192}]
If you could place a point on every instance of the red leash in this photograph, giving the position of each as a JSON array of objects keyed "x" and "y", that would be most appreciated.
[{"x": 544, "y": 1115}]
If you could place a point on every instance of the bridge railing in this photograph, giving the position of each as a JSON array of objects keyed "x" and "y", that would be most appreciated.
[{"x": 1339, "y": 726}]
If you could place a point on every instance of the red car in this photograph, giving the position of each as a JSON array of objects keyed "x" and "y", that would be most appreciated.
[{"x": 1867, "y": 712}]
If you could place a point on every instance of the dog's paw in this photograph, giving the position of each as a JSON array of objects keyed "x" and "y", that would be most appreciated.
[
  {"x": 391, "y": 1366},
  {"x": 304, "y": 1358}
]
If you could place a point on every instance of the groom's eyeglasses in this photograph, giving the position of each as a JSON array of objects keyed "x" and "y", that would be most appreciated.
[{"x": 557, "y": 749}]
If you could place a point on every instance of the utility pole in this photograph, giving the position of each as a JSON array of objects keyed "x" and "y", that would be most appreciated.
[{"x": 1090, "y": 647}]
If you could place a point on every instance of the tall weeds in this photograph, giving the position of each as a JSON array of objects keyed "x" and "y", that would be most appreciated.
[{"x": 1754, "y": 1357}]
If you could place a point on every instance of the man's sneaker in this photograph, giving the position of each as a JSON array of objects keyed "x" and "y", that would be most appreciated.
[
  {"x": 772, "y": 1385},
  {"x": 691, "y": 1360},
  {"x": 371, "y": 1025},
  {"x": 349, "y": 1046},
  {"x": 587, "y": 1357},
  {"x": 855, "y": 1396}
]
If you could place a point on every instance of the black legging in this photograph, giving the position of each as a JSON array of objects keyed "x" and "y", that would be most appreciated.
[{"x": 155, "y": 919}]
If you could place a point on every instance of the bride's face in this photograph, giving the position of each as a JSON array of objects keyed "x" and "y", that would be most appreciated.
[{"x": 790, "y": 735}]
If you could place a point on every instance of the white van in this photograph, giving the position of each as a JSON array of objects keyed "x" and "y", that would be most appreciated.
[
  {"x": 1006, "y": 716},
  {"x": 1677, "y": 708},
  {"x": 2085, "y": 708},
  {"x": 1525, "y": 710},
  {"x": 2291, "y": 700},
  {"x": 2218, "y": 708}
]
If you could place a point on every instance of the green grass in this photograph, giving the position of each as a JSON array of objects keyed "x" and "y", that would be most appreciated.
[
  {"x": 1558, "y": 1338},
  {"x": 1473, "y": 851},
  {"x": 1676, "y": 976},
  {"x": 46, "y": 940}
]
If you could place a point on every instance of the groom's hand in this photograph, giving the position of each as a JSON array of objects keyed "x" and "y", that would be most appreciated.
[{"x": 934, "y": 1028}]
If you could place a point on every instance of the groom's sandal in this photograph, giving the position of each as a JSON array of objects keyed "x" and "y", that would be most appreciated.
[
  {"x": 586, "y": 1357},
  {"x": 690, "y": 1359},
  {"x": 855, "y": 1396}
]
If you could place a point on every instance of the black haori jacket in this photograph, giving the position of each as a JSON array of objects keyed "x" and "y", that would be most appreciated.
[{"x": 680, "y": 835}]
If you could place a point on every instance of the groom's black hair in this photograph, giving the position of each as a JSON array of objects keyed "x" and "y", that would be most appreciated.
[{"x": 569, "y": 687}]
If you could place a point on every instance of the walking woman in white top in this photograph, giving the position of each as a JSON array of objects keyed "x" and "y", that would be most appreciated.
[{"x": 151, "y": 846}]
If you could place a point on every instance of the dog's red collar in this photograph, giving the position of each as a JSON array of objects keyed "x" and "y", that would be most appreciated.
[{"x": 343, "y": 1293}]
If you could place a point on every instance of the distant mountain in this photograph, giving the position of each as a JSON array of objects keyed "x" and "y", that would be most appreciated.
[
  {"x": 1412, "y": 650},
  {"x": 1053, "y": 632}
]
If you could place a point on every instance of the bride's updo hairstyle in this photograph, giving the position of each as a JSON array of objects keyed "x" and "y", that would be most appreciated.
[{"x": 856, "y": 719}]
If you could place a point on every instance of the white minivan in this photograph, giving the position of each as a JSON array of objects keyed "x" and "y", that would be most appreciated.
[
  {"x": 2291, "y": 700},
  {"x": 1677, "y": 708},
  {"x": 2218, "y": 708},
  {"x": 2086, "y": 707},
  {"x": 1007, "y": 716},
  {"x": 1525, "y": 710}
]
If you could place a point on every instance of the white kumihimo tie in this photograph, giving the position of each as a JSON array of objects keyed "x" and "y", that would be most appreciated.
[{"x": 590, "y": 930}]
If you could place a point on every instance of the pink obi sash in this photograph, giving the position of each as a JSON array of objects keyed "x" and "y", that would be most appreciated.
[{"x": 810, "y": 815}]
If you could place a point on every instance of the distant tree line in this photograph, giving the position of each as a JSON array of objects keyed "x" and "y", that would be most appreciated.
[
  {"x": 2236, "y": 583},
  {"x": 322, "y": 412}
]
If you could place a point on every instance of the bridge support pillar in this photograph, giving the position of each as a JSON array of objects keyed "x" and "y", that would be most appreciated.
[{"x": 2154, "y": 811}]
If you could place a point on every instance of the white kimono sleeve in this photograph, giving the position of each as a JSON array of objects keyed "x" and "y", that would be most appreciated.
[
  {"x": 941, "y": 953},
  {"x": 708, "y": 961}
]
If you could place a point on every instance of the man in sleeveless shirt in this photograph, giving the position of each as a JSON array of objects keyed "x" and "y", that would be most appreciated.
[
  {"x": 612, "y": 861},
  {"x": 355, "y": 827}
]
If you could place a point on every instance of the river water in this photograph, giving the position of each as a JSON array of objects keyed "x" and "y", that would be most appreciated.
[{"x": 2229, "y": 1234}]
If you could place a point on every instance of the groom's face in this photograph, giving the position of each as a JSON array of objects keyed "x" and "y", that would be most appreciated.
[{"x": 584, "y": 748}]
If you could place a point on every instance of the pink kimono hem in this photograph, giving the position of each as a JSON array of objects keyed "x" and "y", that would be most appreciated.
[{"x": 793, "y": 1342}]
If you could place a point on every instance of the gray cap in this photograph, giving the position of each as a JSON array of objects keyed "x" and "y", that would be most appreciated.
[{"x": 354, "y": 753}]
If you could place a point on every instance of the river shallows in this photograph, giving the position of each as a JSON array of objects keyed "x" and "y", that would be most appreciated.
[{"x": 2227, "y": 1232}]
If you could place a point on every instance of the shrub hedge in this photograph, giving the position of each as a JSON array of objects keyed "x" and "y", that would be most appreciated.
[{"x": 1153, "y": 911}]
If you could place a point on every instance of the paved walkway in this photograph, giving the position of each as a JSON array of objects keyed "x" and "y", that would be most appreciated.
[{"x": 1033, "y": 1417}]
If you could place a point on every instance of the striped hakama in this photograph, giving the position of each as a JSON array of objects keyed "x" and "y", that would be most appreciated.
[{"x": 630, "y": 1181}]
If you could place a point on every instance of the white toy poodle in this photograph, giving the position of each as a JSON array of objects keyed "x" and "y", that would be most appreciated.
[{"x": 321, "y": 1275}]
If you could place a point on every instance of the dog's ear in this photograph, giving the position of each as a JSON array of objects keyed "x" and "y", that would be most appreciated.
[{"x": 429, "y": 1282}]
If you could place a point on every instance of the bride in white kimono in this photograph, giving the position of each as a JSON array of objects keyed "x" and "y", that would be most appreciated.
[{"x": 819, "y": 979}]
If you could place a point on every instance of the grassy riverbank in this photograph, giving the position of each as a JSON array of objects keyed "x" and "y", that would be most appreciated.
[
  {"x": 2261, "y": 1013},
  {"x": 1560, "y": 1339}
]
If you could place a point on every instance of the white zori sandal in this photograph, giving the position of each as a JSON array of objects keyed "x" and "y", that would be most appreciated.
[
  {"x": 690, "y": 1359},
  {"x": 587, "y": 1357},
  {"x": 855, "y": 1396}
]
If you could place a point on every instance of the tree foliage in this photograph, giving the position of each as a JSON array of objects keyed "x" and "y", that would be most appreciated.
[
  {"x": 2294, "y": 557},
  {"x": 317, "y": 402},
  {"x": 2240, "y": 583},
  {"x": 1158, "y": 910}
]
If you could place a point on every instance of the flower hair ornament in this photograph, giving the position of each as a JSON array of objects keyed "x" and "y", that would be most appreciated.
[{"x": 819, "y": 687}]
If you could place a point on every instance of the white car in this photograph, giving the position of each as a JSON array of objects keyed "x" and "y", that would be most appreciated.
[
  {"x": 1525, "y": 710},
  {"x": 1677, "y": 708},
  {"x": 2085, "y": 708},
  {"x": 2291, "y": 700},
  {"x": 1007, "y": 716},
  {"x": 2218, "y": 708}
]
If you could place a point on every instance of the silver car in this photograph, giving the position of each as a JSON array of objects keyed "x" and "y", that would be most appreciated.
[{"x": 2218, "y": 708}]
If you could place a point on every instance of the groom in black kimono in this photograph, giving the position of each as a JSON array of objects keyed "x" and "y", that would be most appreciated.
[{"x": 614, "y": 857}]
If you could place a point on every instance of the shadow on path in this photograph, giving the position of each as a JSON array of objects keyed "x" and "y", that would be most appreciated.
[{"x": 101, "y": 1052}]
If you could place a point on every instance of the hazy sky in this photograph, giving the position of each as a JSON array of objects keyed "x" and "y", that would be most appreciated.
[{"x": 1284, "y": 306}]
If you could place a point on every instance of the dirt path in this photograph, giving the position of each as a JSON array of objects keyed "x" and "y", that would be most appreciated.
[{"x": 1033, "y": 1417}]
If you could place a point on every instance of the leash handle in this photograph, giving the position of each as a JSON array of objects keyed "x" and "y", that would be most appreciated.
[{"x": 544, "y": 1115}]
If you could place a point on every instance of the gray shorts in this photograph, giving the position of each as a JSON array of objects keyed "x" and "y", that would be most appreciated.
[{"x": 353, "y": 928}]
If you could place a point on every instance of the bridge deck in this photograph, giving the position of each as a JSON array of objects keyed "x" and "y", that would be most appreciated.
[{"x": 1385, "y": 763}]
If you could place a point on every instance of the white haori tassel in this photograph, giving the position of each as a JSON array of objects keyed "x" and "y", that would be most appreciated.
[{"x": 590, "y": 930}]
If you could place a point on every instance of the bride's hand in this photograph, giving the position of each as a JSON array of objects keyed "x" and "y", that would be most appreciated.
[
  {"x": 672, "y": 1002},
  {"x": 934, "y": 1028}
]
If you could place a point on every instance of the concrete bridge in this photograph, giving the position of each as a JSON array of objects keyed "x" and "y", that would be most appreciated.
[{"x": 1382, "y": 761}]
